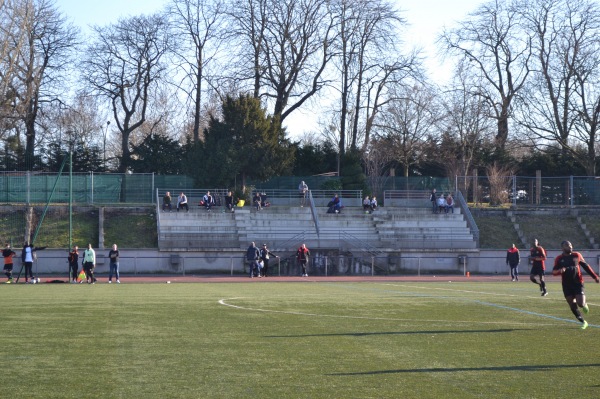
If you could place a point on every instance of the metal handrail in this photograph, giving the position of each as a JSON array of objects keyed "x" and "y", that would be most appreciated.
[
  {"x": 468, "y": 216},
  {"x": 300, "y": 237},
  {"x": 313, "y": 210}
]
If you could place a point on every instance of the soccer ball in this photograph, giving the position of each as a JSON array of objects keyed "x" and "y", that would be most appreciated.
[
  {"x": 33, "y": 281},
  {"x": 37, "y": 280}
]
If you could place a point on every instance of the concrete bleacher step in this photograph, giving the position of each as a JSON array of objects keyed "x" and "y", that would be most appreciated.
[{"x": 388, "y": 227}]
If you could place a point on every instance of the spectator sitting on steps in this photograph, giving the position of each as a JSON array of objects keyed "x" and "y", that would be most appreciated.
[
  {"x": 367, "y": 204},
  {"x": 441, "y": 203},
  {"x": 208, "y": 201},
  {"x": 182, "y": 202},
  {"x": 167, "y": 202},
  {"x": 373, "y": 203},
  {"x": 257, "y": 201},
  {"x": 449, "y": 203},
  {"x": 335, "y": 205}
]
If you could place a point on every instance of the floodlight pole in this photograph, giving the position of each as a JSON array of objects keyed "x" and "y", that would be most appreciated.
[
  {"x": 104, "y": 150},
  {"x": 70, "y": 196}
]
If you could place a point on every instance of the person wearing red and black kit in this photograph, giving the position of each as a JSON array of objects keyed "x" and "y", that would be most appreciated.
[
  {"x": 538, "y": 267},
  {"x": 302, "y": 257},
  {"x": 568, "y": 265}
]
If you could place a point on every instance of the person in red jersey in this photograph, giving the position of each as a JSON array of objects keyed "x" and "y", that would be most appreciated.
[
  {"x": 538, "y": 267},
  {"x": 568, "y": 265}
]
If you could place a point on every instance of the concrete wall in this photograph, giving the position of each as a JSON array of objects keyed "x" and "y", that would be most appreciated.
[{"x": 54, "y": 262}]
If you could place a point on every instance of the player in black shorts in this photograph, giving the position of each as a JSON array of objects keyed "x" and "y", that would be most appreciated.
[
  {"x": 568, "y": 265},
  {"x": 538, "y": 267}
]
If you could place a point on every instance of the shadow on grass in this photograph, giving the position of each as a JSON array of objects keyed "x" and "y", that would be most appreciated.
[
  {"x": 501, "y": 330},
  {"x": 540, "y": 367}
]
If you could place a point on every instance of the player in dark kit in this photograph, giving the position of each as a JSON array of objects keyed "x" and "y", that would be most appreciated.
[
  {"x": 568, "y": 265},
  {"x": 538, "y": 267}
]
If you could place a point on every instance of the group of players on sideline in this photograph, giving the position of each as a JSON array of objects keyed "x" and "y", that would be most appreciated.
[
  {"x": 88, "y": 264},
  {"x": 258, "y": 260},
  {"x": 568, "y": 265}
]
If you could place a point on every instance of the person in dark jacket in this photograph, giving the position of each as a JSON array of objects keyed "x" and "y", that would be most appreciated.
[
  {"x": 229, "y": 201},
  {"x": 252, "y": 257},
  {"x": 433, "y": 199},
  {"x": 265, "y": 254},
  {"x": 512, "y": 259},
  {"x": 73, "y": 264}
]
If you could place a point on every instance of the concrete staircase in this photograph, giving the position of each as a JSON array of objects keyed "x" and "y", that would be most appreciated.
[
  {"x": 419, "y": 228},
  {"x": 284, "y": 228}
]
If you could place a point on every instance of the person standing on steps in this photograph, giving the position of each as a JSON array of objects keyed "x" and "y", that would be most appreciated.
[
  {"x": 302, "y": 190},
  {"x": 568, "y": 265},
  {"x": 538, "y": 266},
  {"x": 433, "y": 199},
  {"x": 512, "y": 260}
]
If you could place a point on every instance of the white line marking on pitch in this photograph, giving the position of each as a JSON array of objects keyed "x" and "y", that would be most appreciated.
[{"x": 224, "y": 303}]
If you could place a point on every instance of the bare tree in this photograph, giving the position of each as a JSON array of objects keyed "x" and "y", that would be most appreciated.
[
  {"x": 125, "y": 63},
  {"x": 377, "y": 160},
  {"x": 465, "y": 124},
  {"x": 368, "y": 61},
  {"x": 37, "y": 42},
  {"x": 495, "y": 42},
  {"x": 409, "y": 119},
  {"x": 287, "y": 44},
  {"x": 566, "y": 108},
  {"x": 199, "y": 24},
  {"x": 248, "y": 25}
]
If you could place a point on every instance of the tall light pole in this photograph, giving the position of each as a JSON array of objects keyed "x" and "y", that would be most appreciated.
[{"x": 104, "y": 150}]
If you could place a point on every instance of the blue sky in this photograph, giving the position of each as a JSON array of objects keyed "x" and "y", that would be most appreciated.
[{"x": 426, "y": 19}]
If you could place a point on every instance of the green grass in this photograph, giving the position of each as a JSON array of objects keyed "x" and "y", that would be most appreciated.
[
  {"x": 11, "y": 228},
  {"x": 297, "y": 340},
  {"x": 496, "y": 231},
  {"x": 54, "y": 231},
  {"x": 552, "y": 230},
  {"x": 130, "y": 230}
]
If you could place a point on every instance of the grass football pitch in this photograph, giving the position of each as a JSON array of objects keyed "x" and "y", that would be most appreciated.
[{"x": 297, "y": 340}]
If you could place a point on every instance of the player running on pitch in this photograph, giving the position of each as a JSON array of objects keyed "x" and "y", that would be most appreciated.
[{"x": 568, "y": 265}]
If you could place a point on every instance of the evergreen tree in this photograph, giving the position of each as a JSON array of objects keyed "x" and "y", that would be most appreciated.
[
  {"x": 246, "y": 142},
  {"x": 157, "y": 154}
]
